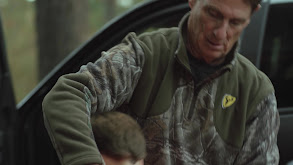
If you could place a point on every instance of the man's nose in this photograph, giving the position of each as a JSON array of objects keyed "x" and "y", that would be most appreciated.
[{"x": 221, "y": 31}]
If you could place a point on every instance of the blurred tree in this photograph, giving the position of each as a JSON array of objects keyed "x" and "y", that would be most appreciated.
[
  {"x": 110, "y": 9},
  {"x": 61, "y": 27}
]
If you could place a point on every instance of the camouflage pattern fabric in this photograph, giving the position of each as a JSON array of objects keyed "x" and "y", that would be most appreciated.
[{"x": 185, "y": 134}]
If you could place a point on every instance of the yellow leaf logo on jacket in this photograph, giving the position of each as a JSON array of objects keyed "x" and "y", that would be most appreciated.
[{"x": 227, "y": 101}]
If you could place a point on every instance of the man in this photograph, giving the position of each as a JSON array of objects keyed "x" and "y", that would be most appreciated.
[
  {"x": 198, "y": 101},
  {"x": 120, "y": 138}
]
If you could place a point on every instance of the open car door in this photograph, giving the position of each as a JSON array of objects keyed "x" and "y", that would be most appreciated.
[{"x": 33, "y": 143}]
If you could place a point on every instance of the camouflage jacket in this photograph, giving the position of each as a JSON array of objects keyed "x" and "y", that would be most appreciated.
[{"x": 228, "y": 118}]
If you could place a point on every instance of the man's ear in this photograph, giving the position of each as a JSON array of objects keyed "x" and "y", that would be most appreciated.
[
  {"x": 257, "y": 8},
  {"x": 191, "y": 3}
]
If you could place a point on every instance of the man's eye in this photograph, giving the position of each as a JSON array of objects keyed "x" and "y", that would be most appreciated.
[
  {"x": 235, "y": 23},
  {"x": 213, "y": 13}
]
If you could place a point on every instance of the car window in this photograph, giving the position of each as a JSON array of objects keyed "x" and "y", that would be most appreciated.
[
  {"x": 167, "y": 20},
  {"x": 19, "y": 19},
  {"x": 277, "y": 53}
]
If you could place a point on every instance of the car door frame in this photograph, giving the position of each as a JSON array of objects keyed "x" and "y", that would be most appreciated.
[{"x": 7, "y": 107}]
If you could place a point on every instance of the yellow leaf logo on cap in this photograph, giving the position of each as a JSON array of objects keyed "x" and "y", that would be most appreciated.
[{"x": 227, "y": 101}]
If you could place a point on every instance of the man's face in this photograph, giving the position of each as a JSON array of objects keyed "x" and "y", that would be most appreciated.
[{"x": 214, "y": 26}]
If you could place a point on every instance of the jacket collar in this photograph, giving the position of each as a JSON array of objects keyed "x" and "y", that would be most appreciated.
[{"x": 181, "y": 53}]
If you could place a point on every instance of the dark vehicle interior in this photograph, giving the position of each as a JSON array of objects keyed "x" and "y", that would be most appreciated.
[{"x": 24, "y": 136}]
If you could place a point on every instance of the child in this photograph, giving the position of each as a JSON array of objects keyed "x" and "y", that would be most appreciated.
[{"x": 119, "y": 139}]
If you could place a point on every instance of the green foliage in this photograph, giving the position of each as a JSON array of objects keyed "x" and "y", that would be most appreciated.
[
  {"x": 19, "y": 32},
  {"x": 18, "y": 18}
]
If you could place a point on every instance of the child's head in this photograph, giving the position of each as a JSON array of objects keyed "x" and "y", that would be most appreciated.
[{"x": 118, "y": 136}]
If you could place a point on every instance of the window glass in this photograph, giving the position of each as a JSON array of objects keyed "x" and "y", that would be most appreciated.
[
  {"x": 167, "y": 19},
  {"x": 20, "y": 19},
  {"x": 277, "y": 54}
]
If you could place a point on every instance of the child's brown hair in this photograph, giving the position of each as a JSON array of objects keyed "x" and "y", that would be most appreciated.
[{"x": 118, "y": 135}]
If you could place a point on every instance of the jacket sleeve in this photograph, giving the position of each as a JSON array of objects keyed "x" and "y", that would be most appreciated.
[
  {"x": 260, "y": 143},
  {"x": 97, "y": 87}
]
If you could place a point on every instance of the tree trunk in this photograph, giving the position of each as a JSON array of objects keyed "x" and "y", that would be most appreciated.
[
  {"x": 110, "y": 9},
  {"x": 61, "y": 25}
]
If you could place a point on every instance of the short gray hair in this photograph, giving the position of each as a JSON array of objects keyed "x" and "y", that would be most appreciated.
[{"x": 253, "y": 3}]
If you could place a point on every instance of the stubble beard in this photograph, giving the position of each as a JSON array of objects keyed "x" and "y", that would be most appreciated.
[{"x": 194, "y": 48}]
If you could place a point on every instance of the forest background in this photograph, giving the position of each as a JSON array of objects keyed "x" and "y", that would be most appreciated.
[{"x": 40, "y": 33}]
